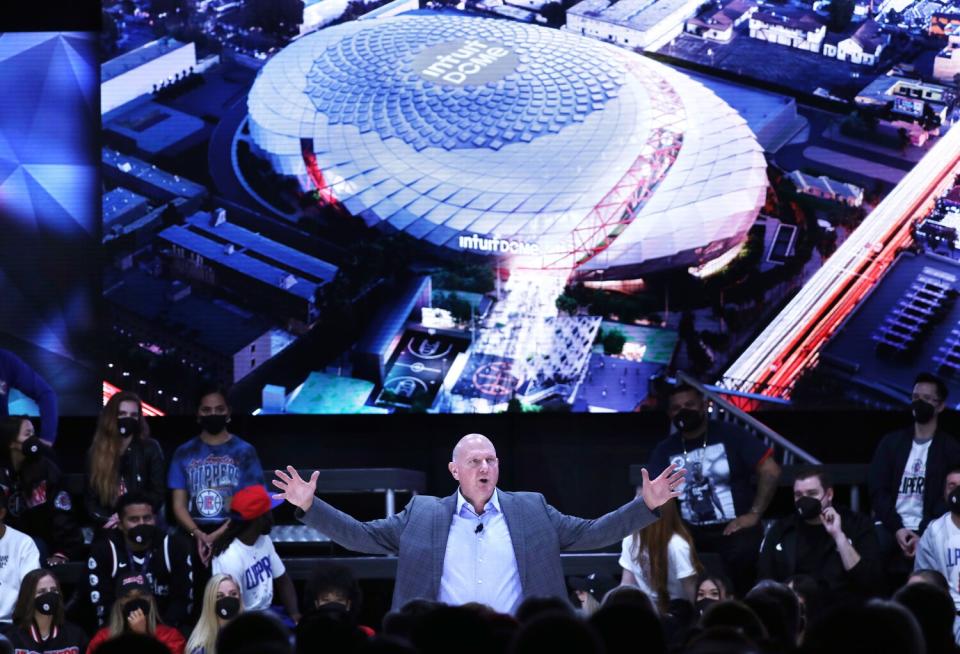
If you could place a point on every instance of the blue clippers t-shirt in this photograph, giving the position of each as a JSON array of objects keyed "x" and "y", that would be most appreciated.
[{"x": 211, "y": 474}]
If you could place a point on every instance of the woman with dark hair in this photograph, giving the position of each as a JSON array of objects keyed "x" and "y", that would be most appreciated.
[
  {"x": 712, "y": 588},
  {"x": 660, "y": 559},
  {"x": 122, "y": 458},
  {"x": 36, "y": 504},
  {"x": 39, "y": 625},
  {"x": 135, "y": 610}
]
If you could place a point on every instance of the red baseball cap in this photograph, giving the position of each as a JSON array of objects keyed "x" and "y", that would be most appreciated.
[{"x": 252, "y": 502}]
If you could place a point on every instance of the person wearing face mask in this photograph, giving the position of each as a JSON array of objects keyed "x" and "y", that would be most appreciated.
[
  {"x": 138, "y": 551},
  {"x": 135, "y": 611},
  {"x": 907, "y": 475},
  {"x": 718, "y": 500},
  {"x": 38, "y": 506},
  {"x": 222, "y": 602},
  {"x": 334, "y": 587},
  {"x": 246, "y": 553},
  {"x": 711, "y": 588},
  {"x": 122, "y": 458},
  {"x": 38, "y": 618},
  {"x": 204, "y": 474},
  {"x": 939, "y": 547},
  {"x": 834, "y": 546}
]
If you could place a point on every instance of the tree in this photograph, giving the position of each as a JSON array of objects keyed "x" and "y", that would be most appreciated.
[
  {"x": 566, "y": 304},
  {"x": 108, "y": 34},
  {"x": 841, "y": 12},
  {"x": 613, "y": 341}
]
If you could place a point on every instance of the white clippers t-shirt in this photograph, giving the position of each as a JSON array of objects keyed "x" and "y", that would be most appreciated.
[
  {"x": 939, "y": 549},
  {"x": 18, "y": 556},
  {"x": 679, "y": 566},
  {"x": 910, "y": 493},
  {"x": 254, "y": 567}
]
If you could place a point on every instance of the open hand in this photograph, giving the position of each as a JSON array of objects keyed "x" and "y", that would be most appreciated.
[
  {"x": 294, "y": 489},
  {"x": 137, "y": 621},
  {"x": 656, "y": 492}
]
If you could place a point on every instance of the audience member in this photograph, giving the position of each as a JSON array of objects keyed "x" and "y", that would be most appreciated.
[
  {"x": 735, "y": 614},
  {"x": 556, "y": 632},
  {"x": 622, "y": 628},
  {"x": 940, "y": 542},
  {"x": 877, "y": 626},
  {"x": 37, "y": 503},
  {"x": 334, "y": 585},
  {"x": 711, "y": 588},
  {"x": 135, "y": 611},
  {"x": 907, "y": 475},
  {"x": 328, "y": 628},
  {"x": 717, "y": 499},
  {"x": 837, "y": 547},
  {"x": 928, "y": 576},
  {"x": 38, "y": 618},
  {"x": 245, "y": 552},
  {"x": 140, "y": 552},
  {"x": 18, "y": 556},
  {"x": 810, "y": 595},
  {"x": 436, "y": 631},
  {"x": 628, "y": 596},
  {"x": 778, "y": 608},
  {"x": 254, "y": 632},
  {"x": 122, "y": 459},
  {"x": 588, "y": 591},
  {"x": 660, "y": 559},
  {"x": 934, "y": 612},
  {"x": 222, "y": 602},
  {"x": 14, "y": 373},
  {"x": 204, "y": 474},
  {"x": 531, "y": 607},
  {"x": 132, "y": 642}
]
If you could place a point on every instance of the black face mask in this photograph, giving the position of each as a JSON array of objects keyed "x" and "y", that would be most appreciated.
[
  {"x": 228, "y": 607},
  {"x": 31, "y": 447},
  {"x": 128, "y": 427},
  {"x": 688, "y": 420},
  {"x": 142, "y": 535},
  {"x": 808, "y": 507},
  {"x": 923, "y": 412},
  {"x": 213, "y": 424},
  {"x": 953, "y": 501},
  {"x": 135, "y": 604},
  {"x": 47, "y": 603},
  {"x": 705, "y": 603}
]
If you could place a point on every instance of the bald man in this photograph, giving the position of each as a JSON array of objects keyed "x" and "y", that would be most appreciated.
[{"x": 480, "y": 544}]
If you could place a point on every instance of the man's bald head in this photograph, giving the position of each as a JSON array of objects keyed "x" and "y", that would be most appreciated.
[
  {"x": 476, "y": 468},
  {"x": 469, "y": 441}
]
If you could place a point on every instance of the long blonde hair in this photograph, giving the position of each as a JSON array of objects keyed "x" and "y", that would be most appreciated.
[
  {"x": 118, "y": 621},
  {"x": 654, "y": 539},
  {"x": 105, "y": 451},
  {"x": 204, "y": 635}
]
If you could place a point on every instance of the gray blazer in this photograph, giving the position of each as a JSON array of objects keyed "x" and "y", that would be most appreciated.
[{"x": 418, "y": 536}]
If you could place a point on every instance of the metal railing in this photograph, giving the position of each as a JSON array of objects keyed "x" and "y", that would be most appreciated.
[{"x": 725, "y": 410}]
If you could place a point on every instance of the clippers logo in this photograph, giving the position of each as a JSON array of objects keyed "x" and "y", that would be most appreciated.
[{"x": 460, "y": 62}]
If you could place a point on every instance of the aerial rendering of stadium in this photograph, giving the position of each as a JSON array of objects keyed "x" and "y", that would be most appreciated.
[{"x": 544, "y": 149}]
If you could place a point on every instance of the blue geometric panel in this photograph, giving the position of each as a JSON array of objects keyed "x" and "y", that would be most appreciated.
[
  {"x": 49, "y": 277},
  {"x": 375, "y": 79}
]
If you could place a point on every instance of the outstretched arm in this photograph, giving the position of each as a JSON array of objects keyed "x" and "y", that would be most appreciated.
[
  {"x": 373, "y": 537},
  {"x": 580, "y": 534}
]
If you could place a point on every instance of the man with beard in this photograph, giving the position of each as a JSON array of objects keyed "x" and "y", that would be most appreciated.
[
  {"x": 719, "y": 501},
  {"x": 138, "y": 552},
  {"x": 907, "y": 476}
]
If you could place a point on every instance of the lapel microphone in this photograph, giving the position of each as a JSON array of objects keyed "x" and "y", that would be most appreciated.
[{"x": 478, "y": 529}]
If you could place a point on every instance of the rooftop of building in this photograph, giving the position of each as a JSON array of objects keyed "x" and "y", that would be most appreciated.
[
  {"x": 149, "y": 174},
  {"x": 869, "y": 36},
  {"x": 639, "y": 14},
  {"x": 152, "y": 126},
  {"x": 910, "y": 309},
  {"x": 139, "y": 56},
  {"x": 725, "y": 16},
  {"x": 213, "y": 324},
  {"x": 120, "y": 203},
  {"x": 796, "y": 19}
]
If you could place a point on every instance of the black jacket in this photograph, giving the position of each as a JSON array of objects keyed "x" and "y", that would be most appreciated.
[
  {"x": 141, "y": 469},
  {"x": 69, "y": 639},
  {"x": 778, "y": 556},
  {"x": 167, "y": 572},
  {"x": 38, "y": 505},
  {"x": 886, "y": 472}
]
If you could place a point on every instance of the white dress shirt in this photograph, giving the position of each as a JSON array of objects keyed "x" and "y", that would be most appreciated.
[{"x": 480, "y": 564}]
